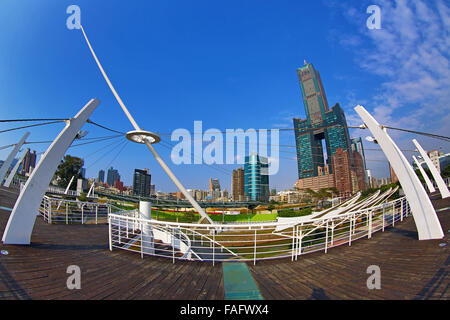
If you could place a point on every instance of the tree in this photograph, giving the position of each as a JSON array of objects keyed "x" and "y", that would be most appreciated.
[
  {"x": 419, "y": 174},
  {"x": 270, "y": 207},
  {"x": 68, "y": 168},
  {"x": 252, "y": 206},
  {"x": 446, "y": 172}
]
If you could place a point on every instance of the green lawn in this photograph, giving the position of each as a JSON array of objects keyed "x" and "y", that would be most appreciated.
[{"x": 182, "y": 217}]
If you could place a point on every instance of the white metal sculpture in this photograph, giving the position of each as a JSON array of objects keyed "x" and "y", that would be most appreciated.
[
  {"x": 7, "y": 164},
  {"x": 14, "y": 170},
  {"x": 425, "y": 176},
  {"x": 21, "y": 221},
  {"x": 425, "y": 218},
  {"x": 146, "y": 137},
  {"x": 436, "y": 176}
]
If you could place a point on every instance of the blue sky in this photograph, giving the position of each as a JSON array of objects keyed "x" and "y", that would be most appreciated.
[{"x": 230, "y": 64}]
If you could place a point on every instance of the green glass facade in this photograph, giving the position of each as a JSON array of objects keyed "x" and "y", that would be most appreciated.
[
  {"x": 256, "y": 177},
  {"x": 320, "y": 123}
]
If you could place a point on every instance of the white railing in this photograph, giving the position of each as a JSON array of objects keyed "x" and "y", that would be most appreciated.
[
  {"x": 251, "y": 241},
  {"x": 55, "y": 210}
]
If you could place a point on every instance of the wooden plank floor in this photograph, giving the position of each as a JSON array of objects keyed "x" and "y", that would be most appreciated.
[{"x": 410, "y": 269}]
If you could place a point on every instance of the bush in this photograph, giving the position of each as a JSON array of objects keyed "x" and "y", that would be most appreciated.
[{"x": 287, "y": 213}]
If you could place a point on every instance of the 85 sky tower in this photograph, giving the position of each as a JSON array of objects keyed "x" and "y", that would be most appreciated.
[{"x": 320, "y": 124}]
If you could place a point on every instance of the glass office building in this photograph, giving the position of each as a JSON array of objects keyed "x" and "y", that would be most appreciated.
[{"x": 256, "y": 177}]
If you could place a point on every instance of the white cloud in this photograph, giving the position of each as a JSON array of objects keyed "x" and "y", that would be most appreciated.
[{"x": 411, "y": 55}]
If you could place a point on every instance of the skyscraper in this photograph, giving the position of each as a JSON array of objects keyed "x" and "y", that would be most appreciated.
[
  {"x": 322, "y": 125},
  {"x": 141, "y": 182},
  {"x": 359, "y": 164},
  {"x": 256, "y": 177},
  {"x": 112, "y": 176},
  {"x": 101, "y": 176},
  {"x": 237, "y": 185}
]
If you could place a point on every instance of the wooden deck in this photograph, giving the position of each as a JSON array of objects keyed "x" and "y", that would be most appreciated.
[{"x": 410, "y": 269}]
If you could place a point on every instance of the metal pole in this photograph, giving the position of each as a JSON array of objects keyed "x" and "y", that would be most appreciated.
[
  {"x": 110, "y": 233},
  {"x": 350, "y": 232},
  {"x": 393, "y": 216},
  {"x": 213, "y": 244},
  {"x": 254, "y": 252},
  {"x": 326, "y": 238}
]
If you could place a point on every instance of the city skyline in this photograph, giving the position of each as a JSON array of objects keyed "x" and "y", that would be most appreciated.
[{"x": 270, "y": 92}]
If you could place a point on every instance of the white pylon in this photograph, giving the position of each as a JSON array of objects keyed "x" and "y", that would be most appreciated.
[
  {"x": 425, "y": 218},
  {"x": 21, "y": 220},
  {"x": 14, "y": 170},
  {"x": 425, "y": 176},
  {"x": 146, "y": 138},
  {"x": 7, "y": 164},
  {"x": 436, "y": 176}
]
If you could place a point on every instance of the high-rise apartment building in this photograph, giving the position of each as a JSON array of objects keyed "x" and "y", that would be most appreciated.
[
  {"x": 343, "y": 178},
  {"x": 256, "y": 177},
  {"x": 434, "y": 157},
  {"x": 141, "y": 182},
  {"x": 101, "y": 176},
  {"x": 237, "y": 185},
  {"x": 29, "y": 162},
  {"x": 112, "y": 176}
]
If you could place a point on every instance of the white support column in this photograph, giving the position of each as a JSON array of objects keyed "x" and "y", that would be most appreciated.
[
  {"x": 427, "y": 222},
  {"x": 91, "y": 190},
  {"x": 68, "y": 186},
  {"x": 14, "y": 170},
  {"x": 11, "y": 157},
  {"x": 145, "y": 212},
  {"x": 436, "y": 175},
  {"x": 21, "y": 221},
  {"x": 425, "y": 176}
]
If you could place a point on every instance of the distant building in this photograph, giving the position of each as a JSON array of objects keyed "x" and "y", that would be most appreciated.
[
  {"x": 101, "y": 176},
  {"x": 342, "y": 172},
  {"x": 444, "y": 161},
  {"x": 323, "y": 180},
  {"x": 237, "y": 185},
  {"x": 83, "y": 173},
  {"x": 434, "y": 157},
  {"x": 152, "y": 189},
  {"x": 214, "y": 184},
  {"x": 256, "y": 177},
  {"x": 393, "y": 176},
  {"x": 359, "y": 163},
  {"x": 141, "y": 183},
  {"x": 29, "y": 162},
  {"x": 119, "y": 185},
  {"x": 112, "y": 176}
]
